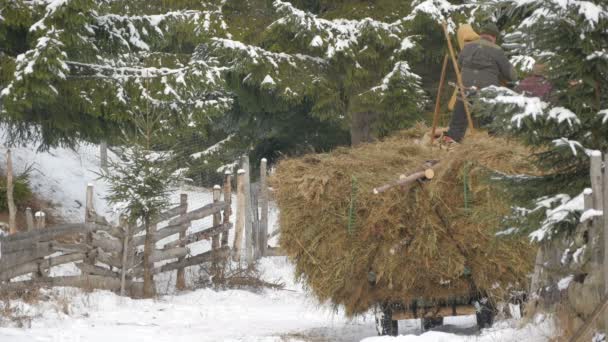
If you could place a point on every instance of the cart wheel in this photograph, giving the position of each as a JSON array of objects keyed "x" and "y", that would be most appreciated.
[
  {"x": 429, "y": 323},
  {"x": 385, "y": 326},
  {"x": 485, "y": 313}
]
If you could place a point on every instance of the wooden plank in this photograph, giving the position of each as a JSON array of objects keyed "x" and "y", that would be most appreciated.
[
  {"x": 240, "y": 215},
  {"x": 249, "y": 233},
  {"x": 54, "y": 232},
  {"x": 263, "y": 234},
  {"x": 596, "y": 179},
  {"x": 405, "y": 180},
  {"x": 228, "y": 201},
  {"x": 201, "y": 235},
  {"x": 180, "y": 282},
  {"x": 10, "y": 260},
  {"x": 34, "y": 266},
  {"x": 125, "y": 254},
  {"x": 164, "y": 216},
  {"x": 96, "y": 270},
  {"x": 81, "y": 281},
  {"x": 170, "y": 253},
  {"x": 198, "y": 214},
  {"x": 605, "y": 228},
  {"x": 209, "y": 256}
]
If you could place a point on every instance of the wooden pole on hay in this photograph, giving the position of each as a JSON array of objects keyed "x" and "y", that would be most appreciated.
[
  {"x": 12, "y": 208},
  {"x": 228, "y": 202},
  {"x": 29, "y": 219},
  {"x": 458, "y": 76},
  {"x": 263, "y": 233},
  {"x": 180, "y": 282},
  {"x": 240, "y": 214},
  {"x": 444, "y": 68}
]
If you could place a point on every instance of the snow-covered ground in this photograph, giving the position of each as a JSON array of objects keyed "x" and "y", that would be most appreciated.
[{"x": 289, "y": 314}]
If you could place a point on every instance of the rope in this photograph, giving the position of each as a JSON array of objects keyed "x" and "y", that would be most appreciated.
[{"x": 352, "y": 207}]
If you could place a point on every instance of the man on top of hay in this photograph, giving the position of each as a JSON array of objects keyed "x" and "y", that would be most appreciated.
[{"x": 483, "y": 64}]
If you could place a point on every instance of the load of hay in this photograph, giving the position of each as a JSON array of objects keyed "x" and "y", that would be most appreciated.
[{"x": 433, "y": 240}]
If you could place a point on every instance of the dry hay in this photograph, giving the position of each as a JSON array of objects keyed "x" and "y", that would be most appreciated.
[{"x": 420, "y": 241}]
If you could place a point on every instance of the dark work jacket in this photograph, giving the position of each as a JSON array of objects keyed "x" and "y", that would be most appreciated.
[{"x": 484, "y": 63}]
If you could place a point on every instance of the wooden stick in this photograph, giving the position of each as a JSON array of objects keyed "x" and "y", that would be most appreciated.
[
  {"x": 444, "y": 68},
  {"x": 248, "y": 214},
  {"x": 240, "y": 214},
  {"x": 103, "y": 156},
  {"x": 29, "y": 219},
  {"x": 458, "y": 76},
  {"x": 180, "y": 282},
  {"x": 171, "y": 253},
  {"x": 200, "y": 235},
  {"x": 227, "y": 208},
  {"x": 605, "y": 221},
  {"x": 263, "y": 234},
  {"x": 34, "y": 266},
  {"x": 427, "y": 174},
  {"x": 197, "y": 214},
  {"x": 595, "y": 230},
  {"x": 595, "y": 315},
  {"x": 81, "y": 281},
  {"x": 169, "y": 214},
  {"x": 89, "y": 217}
]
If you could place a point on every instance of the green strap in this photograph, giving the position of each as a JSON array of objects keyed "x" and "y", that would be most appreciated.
[
  {"x": 465, "y": 182},
  {"x": 352, "y": 207}
]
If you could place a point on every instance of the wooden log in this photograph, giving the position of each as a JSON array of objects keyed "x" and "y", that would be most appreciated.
[
  {"x": 107, "y": 243},
  {"x": 10, "y": 245},
  {"x": 249, "y": 233},
  {"x": 110, "y": 259},
  {"x": 200, "y": 235},
  {"x": 96, "y": 270},
  {"x": 217, "y": 217},
  {"x": 81, "y": 281},
  {"x": 228, "y": 202},
  {"x": 255, "y": 221},
  {"x": 208, "y": 256},
  {"x": 29, "y": 219},
  {"x": 180, "y": 282},
  {"x": 10, "y": 201},
  {"x": 169, "y": 253},
  {"x": 444, "y": 69},
  {"x": 198, "y": 214},
  {"x": 23, "y": 256},
  {"x": 125, "y": 255},
  {"x": 149, "y": 287},
  {"x": 240, "y": 214},
  {"x": 595, "y": 230},
  {"x": 263, "y": 235},
  {"x": 70, "y": 247},
  {"x": 427, "y": 174},
  {"x": 103, "y": 156},
  {"x": 34, "y": 266},
  {"x": 164, "y": 216},
  {"x": 605, "y": 229}
]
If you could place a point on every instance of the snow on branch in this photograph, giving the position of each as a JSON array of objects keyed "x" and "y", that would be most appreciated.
[
  {"x": 401, "y": 70},
  {"x": 563, "y": 212}
]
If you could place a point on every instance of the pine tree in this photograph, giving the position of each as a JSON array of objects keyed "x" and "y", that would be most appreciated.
[{"x": 565, "y": 129}]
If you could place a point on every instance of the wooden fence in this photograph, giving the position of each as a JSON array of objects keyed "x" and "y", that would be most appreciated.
[{"x": 125, "y": 258}]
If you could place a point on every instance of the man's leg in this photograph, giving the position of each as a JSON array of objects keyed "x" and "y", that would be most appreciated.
[{"x": 458, "y": 124}]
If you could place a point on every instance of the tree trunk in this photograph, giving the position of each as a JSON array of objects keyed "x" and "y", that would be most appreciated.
[
  {"x": 12, "y": 209},
  {"x": 149, "y": 246},
  {"x": 361, "y": 128}
]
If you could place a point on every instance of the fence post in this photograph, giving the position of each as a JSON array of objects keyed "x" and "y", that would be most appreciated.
[
  {"x": 149, "y": 246},
  {"x": 605, "y": 220},
  {"x": 263, "y": 233},
  {"x": 125, "y": 254},
  {"x": 103, "y": 156},
  {"x": 228, "y": 202},
  {"x": 180, "y": 282},
  {"x": 29, "y": 219},
  {"x": 240, "y": 214},
  {"x": 40, "y": 219},
  {"x": 248, "y": 211},
  {"x": 89, "y": 217},
  {"x": 217, "y": 220},
  {"x": 12, "y": 209}
]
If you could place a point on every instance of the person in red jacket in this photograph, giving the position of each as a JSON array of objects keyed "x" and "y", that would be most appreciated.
[{"x": 536, "y": 85}]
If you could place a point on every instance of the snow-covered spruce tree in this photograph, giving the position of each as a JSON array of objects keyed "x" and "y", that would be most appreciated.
[
  {"x": 571, "y": 38},
  {"x": 77, "y": 69},
  {"x": 349, "y": 73}
]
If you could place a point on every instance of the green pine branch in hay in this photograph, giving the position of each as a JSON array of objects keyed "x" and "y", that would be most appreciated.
[{"x": 399, "y": 232}]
